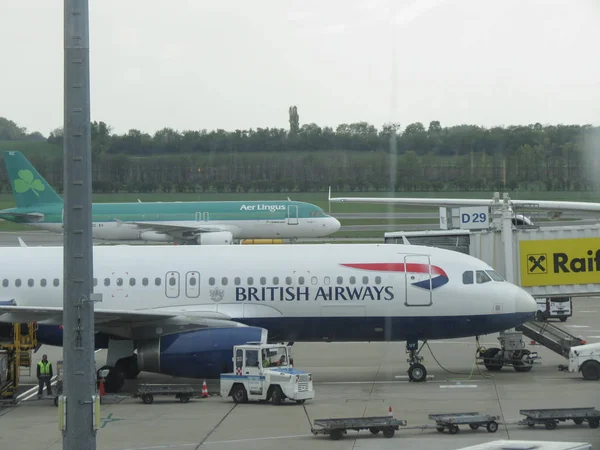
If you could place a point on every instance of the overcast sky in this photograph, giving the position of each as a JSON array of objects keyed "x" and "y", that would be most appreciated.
[{"x": 194, "y": 64}]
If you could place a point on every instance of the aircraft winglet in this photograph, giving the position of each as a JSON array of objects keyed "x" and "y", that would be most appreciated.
[{"x": 21, "y": 242}]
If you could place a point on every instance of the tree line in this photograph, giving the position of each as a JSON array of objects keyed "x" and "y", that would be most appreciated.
[{"x": 351, "y": 157}]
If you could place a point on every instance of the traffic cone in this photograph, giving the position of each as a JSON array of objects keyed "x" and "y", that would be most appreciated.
[
  {"x": 101, "y": 389},
  {"x": 390, "y": 413},
  {"x": 204, "y": 390},
  {"x": 533, "y": 343}
]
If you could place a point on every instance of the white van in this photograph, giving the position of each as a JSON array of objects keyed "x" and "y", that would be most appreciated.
[{"x": 554, "y": 307}]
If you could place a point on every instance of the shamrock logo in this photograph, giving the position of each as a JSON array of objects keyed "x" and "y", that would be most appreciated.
[{"x": 26, "y": 182}]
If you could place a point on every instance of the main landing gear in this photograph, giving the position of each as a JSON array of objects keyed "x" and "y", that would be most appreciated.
[{"x": 416, "y": 371}]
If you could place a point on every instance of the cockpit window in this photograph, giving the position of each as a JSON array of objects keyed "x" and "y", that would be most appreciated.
[
  {"x": 317, "y": 214},
  {"x": 495, "y": 275},
  {"x": 482, "y": 277},
  {"x": 468, "y": 277}
]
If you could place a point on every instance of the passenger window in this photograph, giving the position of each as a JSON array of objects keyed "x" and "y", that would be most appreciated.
[
  {"x": 300, "y": 280},
  {"x": 119, "y": 281},
  {"x": 145, "y": 281},
  {"x": 224, "y": 281},
  {"x": 482, "y": 277},
  {"x": 275, "y": 280},
  {"x": 468, "y": 277},
  {"x": 211, "y": 281},
  {"x": 107, "y": 282},
  {"x": 288, "y": 280},
  {"x": 352, "y": 280},
  {"x": 157, "y": 281},
  {"x": 314, "y": 280},
  {"x": 56, "y": 282},
  {"x": 237, "y": 281},
  {"x": 365, "y": 280},
  {"x": 5, "y": 282},
  {"x": 30, "y": 282},
  {"x": 250, "y": 281},
  {"x": 43, "y": 282},
  {"x": 377, "y": 280},
  {"x": 193, "y": 281},
  {"x": 263, "y": 280},
  {"x": 340, "y": 280},
  {"x": 18, "y": 282},
  {"x": 173, "y": 281},
  {"x": 326, "y": 280},
  {"x": 95, "y": 282},
  {"x": 132, "y": 282}
]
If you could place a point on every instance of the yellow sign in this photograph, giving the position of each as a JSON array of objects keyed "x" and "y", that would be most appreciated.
[{"x": 562, "y": 261}]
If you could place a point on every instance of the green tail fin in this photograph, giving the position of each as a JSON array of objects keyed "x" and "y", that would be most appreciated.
[{"x": 28, "y": 186}]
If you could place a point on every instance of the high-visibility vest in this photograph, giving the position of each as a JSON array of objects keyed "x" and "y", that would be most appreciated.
[{"x": 44, "y": 368}]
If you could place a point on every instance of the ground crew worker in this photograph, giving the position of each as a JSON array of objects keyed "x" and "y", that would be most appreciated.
[
  {"x": 44, "y": 375},
  {"x": 266, "y": 360}
]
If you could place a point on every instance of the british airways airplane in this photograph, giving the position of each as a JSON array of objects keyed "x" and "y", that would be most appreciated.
[{"x": 179, "y": 310}]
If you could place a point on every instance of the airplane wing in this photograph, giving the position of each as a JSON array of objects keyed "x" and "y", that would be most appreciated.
[
  {"x": 174, "y": 228},
  {"x": 131, "y": 324},
  {"x": 545, "y": 205}
]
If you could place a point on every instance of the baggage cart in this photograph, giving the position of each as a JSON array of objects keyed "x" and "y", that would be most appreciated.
[
  {"x": 147, "y": 392},
  {"x": 473, "y": 419},
  {"x": 336, "y": 428},
  {"x": 550, "y": 417}
]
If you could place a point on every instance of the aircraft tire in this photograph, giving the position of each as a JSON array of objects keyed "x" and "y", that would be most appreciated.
[
  {"x": 114, "y": 381},
  {"x": 490, "y": 362},
  {"x": 417, "y": 373},
  {"x": 128, "y": 366}
]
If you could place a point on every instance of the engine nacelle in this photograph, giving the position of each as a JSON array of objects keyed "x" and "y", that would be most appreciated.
[
  {"x": 215, "y": 238},
  {"x": 195, "y": 354},
  {"x": 155, "y": 236}
]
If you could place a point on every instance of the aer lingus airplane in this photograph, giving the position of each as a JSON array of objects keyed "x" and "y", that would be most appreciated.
[
  {"x": 181, "y": 309},
  {"x": 39, "y": 206}
]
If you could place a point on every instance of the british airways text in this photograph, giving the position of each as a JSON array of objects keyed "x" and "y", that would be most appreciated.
[{"x": 299, "y": 293}]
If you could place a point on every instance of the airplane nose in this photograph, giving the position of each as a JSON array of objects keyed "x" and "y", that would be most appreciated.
[
  {"x": 334, "y": 224},
  {"x": 524, "y": 303}
]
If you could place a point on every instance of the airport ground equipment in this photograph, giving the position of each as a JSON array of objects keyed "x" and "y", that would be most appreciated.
[
  {"x": 473, "y": 419},
  {"x": 336, "y": 428},
  {"x": 17, "y": 343},
  {"x": 550, "y": 336},
  {"x": 147, "y": 392},
  {"x": 265, "y": 372},
  {"x": 554, "y": 308},
  {"x": 584, "y": 359},
  {"x": 512, "y": 352},
  {"x": 550, "y": 417}
]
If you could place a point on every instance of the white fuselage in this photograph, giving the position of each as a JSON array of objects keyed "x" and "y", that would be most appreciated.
[
  {"x": 264, "y": 284},
  {"x": 240, "y": 229}
]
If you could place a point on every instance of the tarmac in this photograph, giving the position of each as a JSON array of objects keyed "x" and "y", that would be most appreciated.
[{"x": 351, "y": 380}]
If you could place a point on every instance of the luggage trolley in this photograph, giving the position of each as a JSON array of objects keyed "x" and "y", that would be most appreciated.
[
  {"x": 550, "y": 417},
  {"x": 335, "y": 428},
  {"x": 473, "y": 419},
  {"x": 148, "y": 391}
]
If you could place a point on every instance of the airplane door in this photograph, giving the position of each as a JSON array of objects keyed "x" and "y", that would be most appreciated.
[
  {"x": 293, "y": 215},
  {"x": 192, "y": 284},
  {"x": 417, "y": 273},
  {"x": 172, "y": 284}
]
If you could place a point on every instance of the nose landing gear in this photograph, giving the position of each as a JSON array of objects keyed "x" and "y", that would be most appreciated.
[{"x": 416, "y": 371}]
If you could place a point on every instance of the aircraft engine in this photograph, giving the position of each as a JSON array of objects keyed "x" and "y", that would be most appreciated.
[
  {"x": 154, "y": 236},
  {"x": 194, "y": 354},
  {"x": 215, "y": 238}
]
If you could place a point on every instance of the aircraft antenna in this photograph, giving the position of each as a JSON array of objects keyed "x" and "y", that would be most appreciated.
[{"x": 77, "y": 404}]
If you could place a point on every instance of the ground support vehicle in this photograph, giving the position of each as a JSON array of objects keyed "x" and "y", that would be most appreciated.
[
  {"x": 147, "y": 392},
  {"x": 512, "y": 352},
  {"x": 550, "y": 417},
  {"x": 265, "y": 372},
  {"x": 473, "y": 419},
  {"x": 584, "y": 359},
  {"x": 554, "y": 307},
  {"x": 336, "y": 428}
]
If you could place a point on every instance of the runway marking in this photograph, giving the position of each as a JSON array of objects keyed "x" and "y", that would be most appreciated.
[
  {"x": 272, "y": 438},
  {"x": 34, "y": 390},
  {"x": 449, "y": 386},
  {"x": 578, "y": 326},
  {"x": 593, "y": 311}
]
